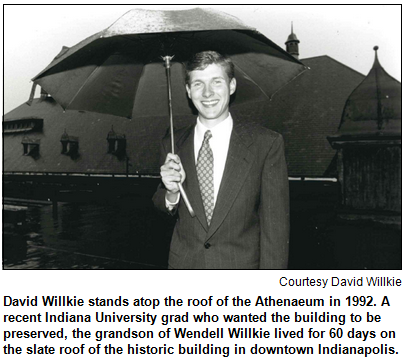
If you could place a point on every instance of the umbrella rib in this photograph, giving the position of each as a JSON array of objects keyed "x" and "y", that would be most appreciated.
[
  {"x": 282, "y": 86},
  {"x": 249, "y": 78},
  {"x": 82, "y": 86}
]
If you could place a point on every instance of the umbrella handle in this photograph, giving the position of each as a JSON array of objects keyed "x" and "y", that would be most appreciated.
[{"x": 186, "y": 200}]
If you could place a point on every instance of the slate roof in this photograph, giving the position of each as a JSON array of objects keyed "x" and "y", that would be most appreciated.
[
  {"x": 142, "y": 136},
  {"x": 374, "y": 107},
  {"x": 308, "y": 110}
]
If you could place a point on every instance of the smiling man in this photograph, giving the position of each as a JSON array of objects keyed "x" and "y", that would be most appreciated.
[{"x": 235, "y": 176}]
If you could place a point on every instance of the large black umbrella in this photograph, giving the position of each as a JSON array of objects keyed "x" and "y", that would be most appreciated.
[{"x": 121, "y": 71}]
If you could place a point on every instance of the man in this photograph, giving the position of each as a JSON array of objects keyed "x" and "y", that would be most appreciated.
[{"x": 234, "y": 175}]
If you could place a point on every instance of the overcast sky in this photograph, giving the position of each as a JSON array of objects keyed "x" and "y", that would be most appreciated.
[{"x": 34, "y": 34}]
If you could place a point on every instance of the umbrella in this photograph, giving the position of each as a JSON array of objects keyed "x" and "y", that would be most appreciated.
[{"x": 120, "y": 70}]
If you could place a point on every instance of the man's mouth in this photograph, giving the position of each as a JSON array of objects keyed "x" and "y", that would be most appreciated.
[{"x": 209, "y": 104}]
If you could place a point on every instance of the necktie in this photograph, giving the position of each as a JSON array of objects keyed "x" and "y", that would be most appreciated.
[{"x": 204, "y": 170}]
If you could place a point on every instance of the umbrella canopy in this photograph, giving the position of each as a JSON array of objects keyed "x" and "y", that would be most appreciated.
[{"x": 120, "y": 70}]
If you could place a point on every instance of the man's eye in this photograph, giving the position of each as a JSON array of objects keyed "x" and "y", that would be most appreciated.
[
  {"x": 196, "y": 84},
  {"x": 217, "y": 82}
]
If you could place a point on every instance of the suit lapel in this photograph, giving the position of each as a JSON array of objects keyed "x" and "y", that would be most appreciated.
[
  {"x": 187, "y": 155},
  {"x": 238, "y": 164}
]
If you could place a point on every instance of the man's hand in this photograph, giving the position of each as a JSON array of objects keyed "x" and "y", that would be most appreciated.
[{"x": 172, "y": 173}]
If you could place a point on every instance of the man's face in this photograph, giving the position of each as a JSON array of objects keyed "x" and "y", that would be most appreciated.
[{"x": 210, "y": 91}]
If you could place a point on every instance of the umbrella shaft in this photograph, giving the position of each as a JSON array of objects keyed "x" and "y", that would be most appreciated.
[
  {"x": 186, "y": 200},
  {"x": 168, "y": 75}
]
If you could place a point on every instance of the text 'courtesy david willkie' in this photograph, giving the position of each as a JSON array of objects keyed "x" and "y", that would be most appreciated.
[{"x": 340, "y": 282}]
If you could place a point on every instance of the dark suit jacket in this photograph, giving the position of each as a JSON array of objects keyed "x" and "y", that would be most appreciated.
[{"x": 250, "y": 224}]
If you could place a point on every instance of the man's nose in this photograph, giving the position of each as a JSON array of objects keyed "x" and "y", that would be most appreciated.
[{"x": 207, "y": 91}]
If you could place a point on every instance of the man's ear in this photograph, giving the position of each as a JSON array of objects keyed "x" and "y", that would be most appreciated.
[
  {"x": 233, "y": 85},
  {"x": 188, "y": 91}
]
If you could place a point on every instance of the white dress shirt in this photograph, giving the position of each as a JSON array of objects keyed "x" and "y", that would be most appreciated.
[{"x": 219, "y": 143}]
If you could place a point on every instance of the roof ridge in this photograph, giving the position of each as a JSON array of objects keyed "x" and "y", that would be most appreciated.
[{"x": 339, "y": 62}]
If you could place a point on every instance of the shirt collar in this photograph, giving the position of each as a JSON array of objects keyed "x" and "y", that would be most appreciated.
[{"x": 224, "y": 127}]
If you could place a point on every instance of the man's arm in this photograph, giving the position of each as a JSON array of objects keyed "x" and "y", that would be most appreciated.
[
  {"x": 274, "y": 209},
  {"x": 167, "y": 196}
]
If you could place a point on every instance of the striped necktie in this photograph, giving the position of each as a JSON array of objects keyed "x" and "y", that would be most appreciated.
[{"x": 204, "y": 170}]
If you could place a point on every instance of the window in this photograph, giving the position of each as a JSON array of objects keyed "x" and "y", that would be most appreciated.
[
  {"x": 70, "y": 145},
  {"x": 116, "y": 143},
  {"x": 31, "y": 147},
  {"x": 22, "y": 125}
]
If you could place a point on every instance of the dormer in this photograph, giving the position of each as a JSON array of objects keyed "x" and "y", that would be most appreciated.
[
  {"x": 116, "y": 143},
  {"x": 31, "y": 147},
  {"x": 70, "y": 145}
]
